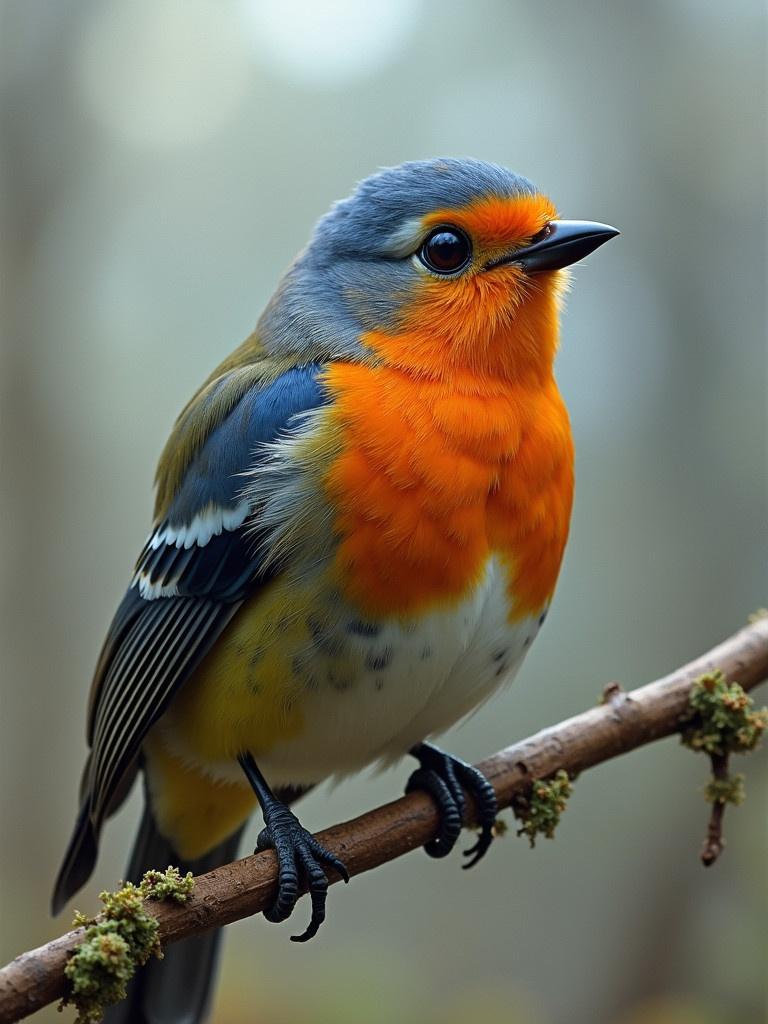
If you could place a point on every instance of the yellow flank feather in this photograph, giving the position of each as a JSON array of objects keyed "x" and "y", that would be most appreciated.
[
  {"x": 243, "y": 697},
  {"x": 197, "y": 811},
  {"x": 245, "y": 694}
]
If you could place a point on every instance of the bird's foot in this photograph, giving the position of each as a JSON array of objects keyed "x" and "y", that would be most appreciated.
[
  {"x": 300, "y": 857},
  {"x": 445, "y": 778}
]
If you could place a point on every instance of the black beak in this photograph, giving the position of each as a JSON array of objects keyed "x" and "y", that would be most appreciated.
[{"x": 562, "y": 243}]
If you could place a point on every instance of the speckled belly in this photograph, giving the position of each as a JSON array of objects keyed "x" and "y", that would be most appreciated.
[{"x": 313, "y": 690}]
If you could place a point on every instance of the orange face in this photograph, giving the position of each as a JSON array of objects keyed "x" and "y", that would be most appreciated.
[
  {"x": 492, "y": 318},
  {"x": 498, "y": 225}
]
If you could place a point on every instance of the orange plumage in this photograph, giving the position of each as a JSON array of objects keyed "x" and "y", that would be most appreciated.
[{"x": 456, "y": 443}]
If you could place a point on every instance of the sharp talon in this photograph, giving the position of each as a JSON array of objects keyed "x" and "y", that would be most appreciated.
[
  {"x": 479, "y": 850},
  {"x": 300, "y": 857},
  {"x": 450, "y": 812},
  {"x": 445, "y": 778},
  {"x": 318, "y": 890},
  {"x": 298, "y": 854},
  {"x": 339, "y": 868},
  {"x": 330, "y": 859}
]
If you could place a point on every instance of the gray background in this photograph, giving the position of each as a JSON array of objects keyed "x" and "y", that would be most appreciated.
[{"x": 162, "y": 162}]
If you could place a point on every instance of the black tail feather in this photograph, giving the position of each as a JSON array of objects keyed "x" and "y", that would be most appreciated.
[
  {"x": 78, "y": 863},
  {"x": 178, "y": 988}
]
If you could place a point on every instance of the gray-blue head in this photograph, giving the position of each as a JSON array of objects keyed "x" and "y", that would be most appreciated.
[{"x": 424, "y": 227}]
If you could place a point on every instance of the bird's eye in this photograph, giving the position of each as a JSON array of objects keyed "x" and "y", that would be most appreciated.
[{"x": 445, "y": 251}]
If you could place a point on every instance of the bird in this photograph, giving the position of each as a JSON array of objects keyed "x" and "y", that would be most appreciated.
[{"x": 359, "y": 523}]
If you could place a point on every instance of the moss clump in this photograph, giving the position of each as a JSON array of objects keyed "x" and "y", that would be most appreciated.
[
  {"x": 168, "y": 885},
  {"x": 500, "y": 828},
  {"x": 722, "y": 720},
  {"x": 539, "y": 811},
  {"x": 118, "y": 942},
  {"x": 729, "y": 790}
]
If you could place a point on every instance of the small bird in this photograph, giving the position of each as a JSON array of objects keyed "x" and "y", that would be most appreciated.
[{"x": 359, "y": 524}]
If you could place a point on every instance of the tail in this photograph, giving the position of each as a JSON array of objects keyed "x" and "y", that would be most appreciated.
[
  {"x": 79, "y": 861},
  {"x": 178, "y": 988},
  {"x": 80, "y": 858}
]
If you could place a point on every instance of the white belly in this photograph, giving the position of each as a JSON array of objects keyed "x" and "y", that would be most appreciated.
[{"x": 410, "y": 681}]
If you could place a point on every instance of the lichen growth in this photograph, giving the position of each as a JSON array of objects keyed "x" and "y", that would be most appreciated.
[
  {"x": 500, "y": 828},
  {"x": 540, "y": 810},
  {"x": 168, "y": 885},
  {"x": 729, "y": 790},
  {"x": 722, "y": 720},
  {"x": 118, "y": 942}
]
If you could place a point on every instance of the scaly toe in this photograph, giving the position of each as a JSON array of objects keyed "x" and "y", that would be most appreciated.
[
  {"x": 446, "y": 778},
  {"x": 450, "y": 812},
  {"x": 486, "y": 807},
  {"x": 299, "y": 855}
]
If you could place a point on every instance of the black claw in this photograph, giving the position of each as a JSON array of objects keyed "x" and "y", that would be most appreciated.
[
  {"x": 329, "y": 858},
  {"x": 318, "y": 890},
  {"x": 445, "y": 778},
  {"x": 300, "y": 857},
  {"x": 450, "y": 812},
  {"x": 298, "y": 854},
  {"x": 486, "y": 806}
]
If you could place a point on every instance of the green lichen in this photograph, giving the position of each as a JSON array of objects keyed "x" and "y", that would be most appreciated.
[
  {"x": 500, "y": 828},
  {"x": 729, "y": 790},
  {"x": 721, "y": 719},
  {"x": 118, "y": 942},
  {"x": 168, "y": 885},
  {"x": 540, "y": 810}
]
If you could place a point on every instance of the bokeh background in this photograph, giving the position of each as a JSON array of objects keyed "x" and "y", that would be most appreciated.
[{"x": 162, "y": 162}]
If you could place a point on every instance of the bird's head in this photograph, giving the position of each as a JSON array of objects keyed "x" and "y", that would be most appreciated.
[{"x": 433, "y": 265}]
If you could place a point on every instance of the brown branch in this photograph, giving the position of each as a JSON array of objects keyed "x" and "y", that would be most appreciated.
[
  {"x": 714, "y": 843},
  {"x": 245, "y": 887}
]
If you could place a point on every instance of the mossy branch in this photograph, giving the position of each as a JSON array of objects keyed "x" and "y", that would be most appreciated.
[
  {"x": 721, "y": 721},
  {"x": 117, "y": 942},
  {"x": 622, "y": 722}
]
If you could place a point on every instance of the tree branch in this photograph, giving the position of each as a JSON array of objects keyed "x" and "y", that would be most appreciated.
[{"x": 245, "y": 887}]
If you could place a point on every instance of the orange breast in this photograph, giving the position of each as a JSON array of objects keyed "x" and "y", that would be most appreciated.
[{"x": 436, "y": 474}]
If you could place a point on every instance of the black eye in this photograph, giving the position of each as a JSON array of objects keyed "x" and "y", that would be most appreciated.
[{"x": 445, "y": 251}]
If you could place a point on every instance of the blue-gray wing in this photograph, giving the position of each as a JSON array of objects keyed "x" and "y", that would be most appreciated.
[{"x": 199, "y": 564}]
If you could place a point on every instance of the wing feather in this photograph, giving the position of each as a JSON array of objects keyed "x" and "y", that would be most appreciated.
[
  {"x": 184, "y": 637},
  {"x": 198, "y": 565}
]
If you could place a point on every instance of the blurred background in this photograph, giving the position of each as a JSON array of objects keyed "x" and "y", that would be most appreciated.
[{"x": 162, "y": 162}]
